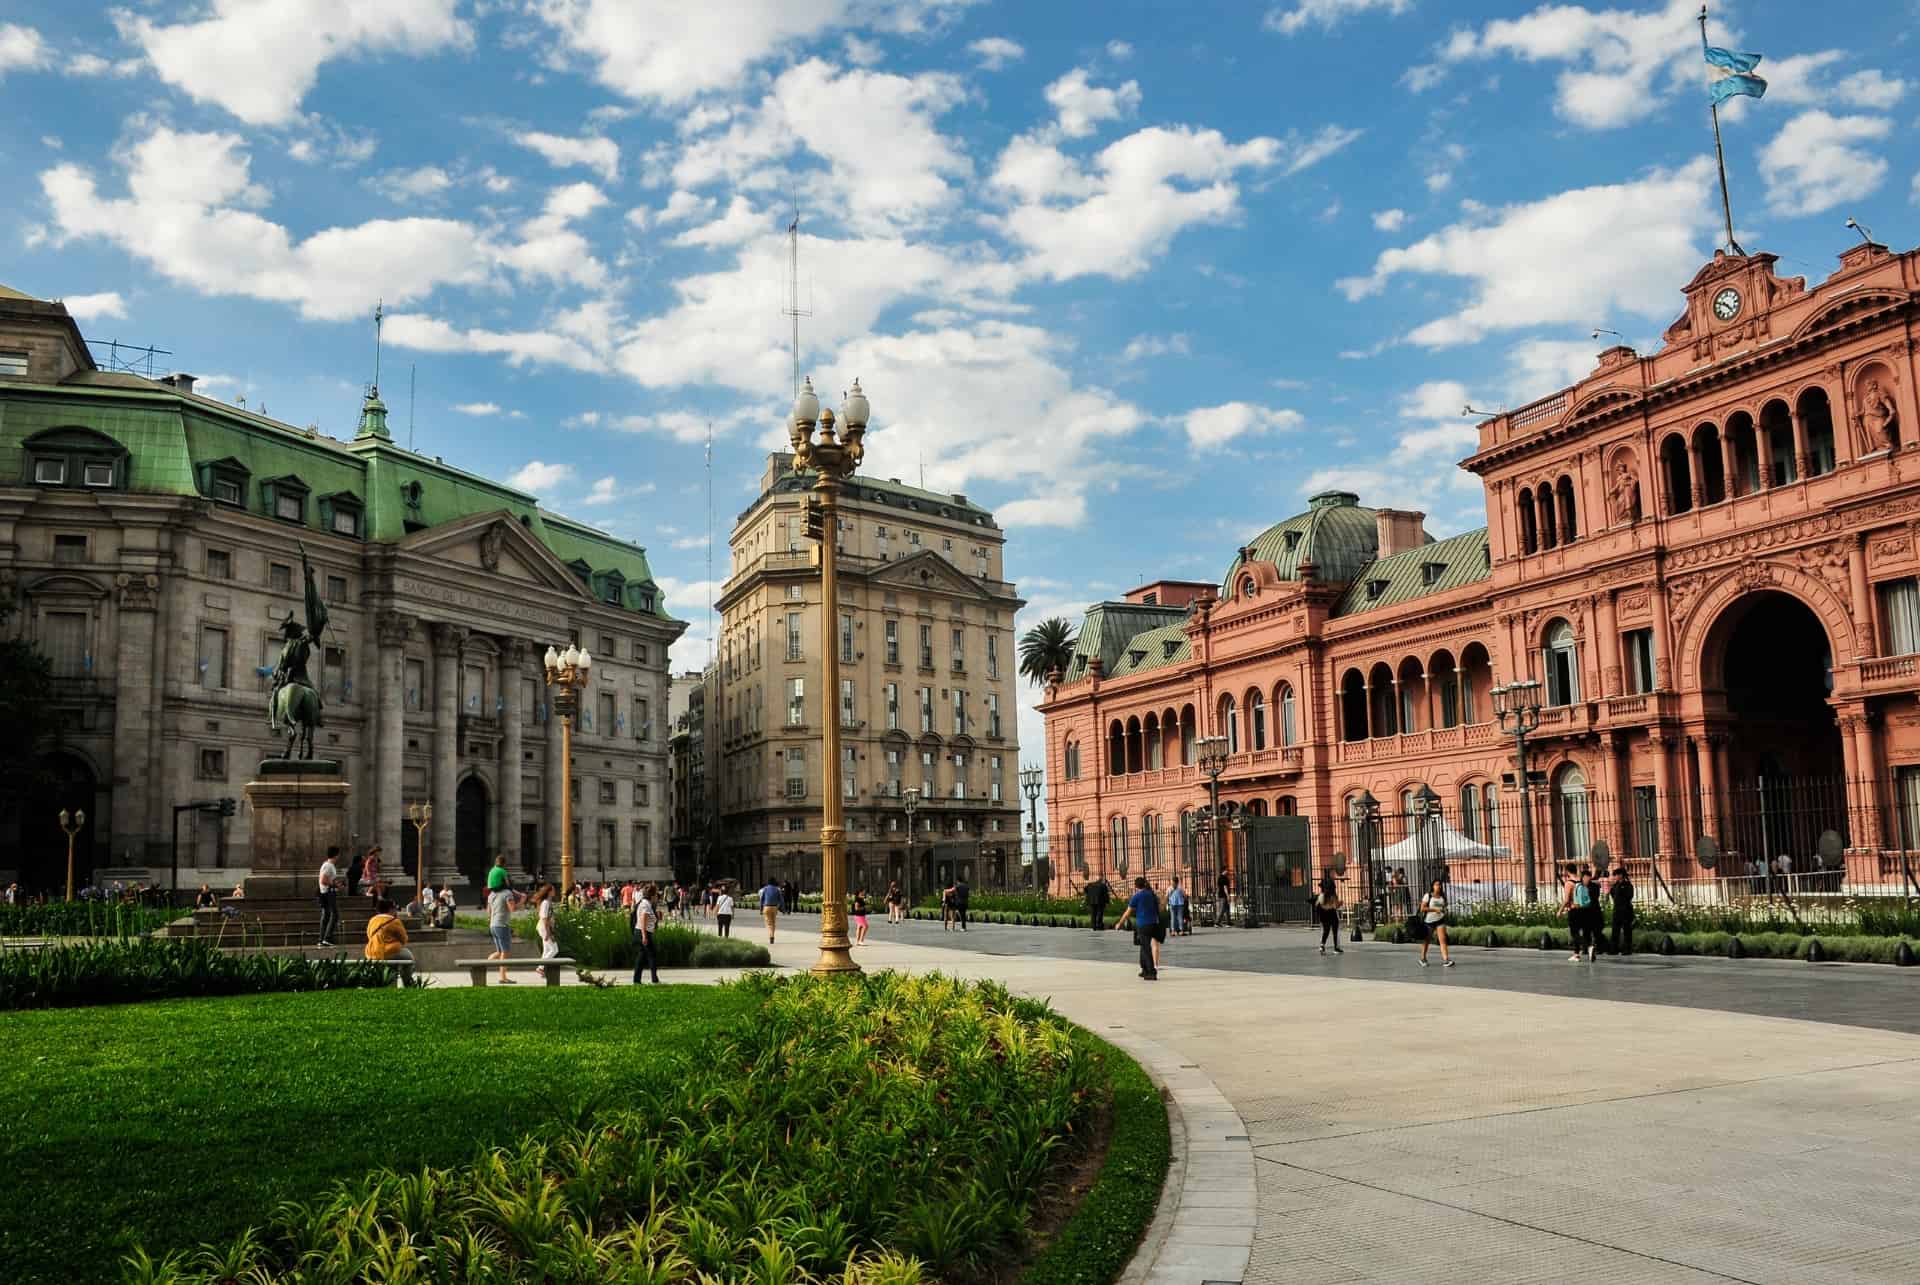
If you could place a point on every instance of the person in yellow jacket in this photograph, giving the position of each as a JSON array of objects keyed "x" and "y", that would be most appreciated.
[{"x": 387, "y": 939}]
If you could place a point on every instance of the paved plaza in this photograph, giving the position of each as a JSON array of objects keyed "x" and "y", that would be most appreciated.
[{"x": 1505, "y": 1120}]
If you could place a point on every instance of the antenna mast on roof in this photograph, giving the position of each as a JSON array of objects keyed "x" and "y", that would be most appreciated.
[
  {"x": 379, "y": 312},
  {"x": 793, "y": 308}
]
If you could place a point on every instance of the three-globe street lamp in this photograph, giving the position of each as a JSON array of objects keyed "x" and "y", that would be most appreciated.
[
  {"x": 1520, "y": 702},
  {"x": 1366, "y": 815},
  {"x": 831, "y": 460},
  {"x": 567, "y": 673},
  {"x": 910, "y": 800},
  {"x": 421, "y": 814},
  {"x": 1210, "y": 752},
  {"x": 1030, "y": 786},
  {"x": 79, "y": 823}
]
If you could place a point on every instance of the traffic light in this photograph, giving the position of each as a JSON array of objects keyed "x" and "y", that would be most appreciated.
[
  {"x": 226, "y": 807},
  {"x": 816, "y": 521}
]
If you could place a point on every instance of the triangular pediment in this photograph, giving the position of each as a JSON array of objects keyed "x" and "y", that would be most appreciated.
[
  {"x": 1852, "y": 308},
  {"x": 929, "y": 572},
  {"x": 495, "y": 544}
]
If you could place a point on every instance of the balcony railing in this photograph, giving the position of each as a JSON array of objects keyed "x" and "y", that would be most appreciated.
[{"x": 1889, "y": 669}]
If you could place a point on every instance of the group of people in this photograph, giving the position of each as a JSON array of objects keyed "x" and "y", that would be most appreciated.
[
  {"x": 1098, "y": 894},
  {"x": 1583, "y": 898}
]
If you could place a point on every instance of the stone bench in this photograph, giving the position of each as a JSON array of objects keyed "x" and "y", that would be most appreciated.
[{"x": 477, "y": 968}]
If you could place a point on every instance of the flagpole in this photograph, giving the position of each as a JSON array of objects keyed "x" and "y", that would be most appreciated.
[{"x": 1719, "y": 152}]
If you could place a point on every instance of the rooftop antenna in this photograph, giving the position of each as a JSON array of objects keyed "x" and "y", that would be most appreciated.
[
  {"x": 413, "y": 368},
  {"x": 793, "y": 308},
  {"x": 379, "y": 312}
]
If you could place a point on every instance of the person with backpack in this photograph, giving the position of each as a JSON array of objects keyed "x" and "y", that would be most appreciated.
[
  {"x": 1621, "y": 891},
  {"x": 1596, "y": 911},
  {"x": 1433, "y": 922},
  {"x": 1326, "y": 908},
  {"x": 1571, "y": 911}
]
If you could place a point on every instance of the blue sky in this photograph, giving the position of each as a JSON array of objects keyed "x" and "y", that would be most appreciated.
[{"x": 1141, "y": 277}]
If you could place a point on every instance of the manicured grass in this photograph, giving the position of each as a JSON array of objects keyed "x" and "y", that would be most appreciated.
[{"x": 185, "y": 1121}]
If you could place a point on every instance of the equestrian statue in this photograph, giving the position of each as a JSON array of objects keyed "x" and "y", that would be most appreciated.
[{"x": 293, "y": 702}]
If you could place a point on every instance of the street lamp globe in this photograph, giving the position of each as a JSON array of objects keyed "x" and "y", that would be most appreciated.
[
  {"x": 552, "y": 661},
  {"x": 585, "y": 661}
]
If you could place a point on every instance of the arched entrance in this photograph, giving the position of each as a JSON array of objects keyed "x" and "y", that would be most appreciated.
[
  {"x": 471, "y": 852},
  {"x": 66, "y": 783}
]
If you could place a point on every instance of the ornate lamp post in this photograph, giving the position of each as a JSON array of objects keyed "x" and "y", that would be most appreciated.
[
  {"x": 1366, "y": 812},
  {"x": 1210, "y": 752},
  {"x": 1517, "y": 705},
  {"x": 1030, "y": 786},
  {"x": 1426, "y": 811},
  {"x": 421, "y": 814},
  {"x": 910, "y": 800},
  {"x": 831, "y": 460},
  {"x": 567, "y": 673},
  {"x": 78, "y": 823}
]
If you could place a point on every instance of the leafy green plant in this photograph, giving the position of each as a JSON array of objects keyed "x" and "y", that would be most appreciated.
[
  {"x": 147, "y": 968},
  {"x": 600, "y": 938},
  {"x": 83, "y": 919}
]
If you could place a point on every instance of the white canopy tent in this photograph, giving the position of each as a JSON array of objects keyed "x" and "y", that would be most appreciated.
[{"x": 1437, "y": 841}]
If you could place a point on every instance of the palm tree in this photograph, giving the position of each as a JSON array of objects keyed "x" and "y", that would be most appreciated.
[{"x": 1047, "y": 646}]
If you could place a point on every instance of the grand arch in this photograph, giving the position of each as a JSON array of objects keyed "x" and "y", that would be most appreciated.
[{"x": 1700, "y": 602}]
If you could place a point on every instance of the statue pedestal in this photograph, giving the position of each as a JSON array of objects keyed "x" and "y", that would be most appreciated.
[{"x": 299, "y": 811}]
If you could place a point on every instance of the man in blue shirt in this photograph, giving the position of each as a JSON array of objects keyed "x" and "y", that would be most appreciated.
[
  {"x": 1143, "y": 908},
  {"x": 772, "y": 897}
]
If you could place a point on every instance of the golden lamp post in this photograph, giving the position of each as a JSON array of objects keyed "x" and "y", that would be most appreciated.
[
  {"x": 421, "y": 814},
  {"x": 73, "y": 828},
  {"x": 567, "y": 673},
  {"x": 831, "y": 461}
]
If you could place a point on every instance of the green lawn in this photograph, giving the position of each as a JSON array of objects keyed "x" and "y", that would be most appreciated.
[{"x": 182, "y": 1122}]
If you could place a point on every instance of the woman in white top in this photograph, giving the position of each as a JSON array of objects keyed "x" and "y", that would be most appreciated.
[
  {"x": 1433, "y": 911},
  {"x": 549, "y": 944},
  {"x": 723, "y": 912}
]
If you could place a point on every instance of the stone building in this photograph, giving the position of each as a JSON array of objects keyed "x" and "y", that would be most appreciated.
[
  {"x": 1706, "y": 555},
  {"x": 926, "y": 697},
  {"x": 687, "y": 704},
  {"x": 150, "y": 545}
]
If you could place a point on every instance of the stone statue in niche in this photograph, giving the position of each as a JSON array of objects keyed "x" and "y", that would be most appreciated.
[
  {"x": 1623, "y": 491},
  {"x": 1877, "y": 420},
  {"x": 490, "y": 545}
]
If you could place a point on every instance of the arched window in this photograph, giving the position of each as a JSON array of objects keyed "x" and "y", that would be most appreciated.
[
  {"x": 1559, "y": 660},
  {"x": 1529, "y": 537},
  {"x": 1713, "y": 473},
  {"x": 1677, "y": 473},
  {"x": 1256, "y": 807},
  {"x": 1186, "y": 736},
  {"x": 1817, "y": 413},
  {"x": 1289, "y": 725},
  {"x": 1077, "y": 844},
  {"x": 1116, "y": 749},
  {"x": 1117, "y": 839},
  {"x": 1569, "y": 526},
  {"x": 1286, "y": 806},
  {"x": 1149, "y": 841},
  {"x": 1072, "y": 764},
  {"x": 1353, "y": 706},
  {"x": 1470, "y": 811},
  {"x": 1257, "y": 719},
  {"x": 1230, "y": 724},
  {"x": 1570, "y": 813},
  {"x": 1413, "y": 695},
  {"x": 1747, "y": 459},
  {"x": 1543, "y": 503},
  {"x": 1776, "y": 431},
  {"x": 1381, "y": 693},
  {"x": 1155, "y": 743},
  {"x": 1134, "y": 758},
  {"x": 1490, "y": 815},
  {"x": 1444, "y": 678}
]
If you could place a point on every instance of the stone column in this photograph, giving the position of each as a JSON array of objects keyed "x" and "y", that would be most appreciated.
[
  {"x": 391, "y": 631},
  {"x": 1693, "y": 473},
  {"x": 447, "y": 641},
  {"x": 1672, "y": 813},
  {"x": 1864, "y": 643},
  {"x": 513, "y": 659},
  {"x": 554, "y": 786},
  {"x": 1609, "y": 631},
  {"x": 1713, "y": 784},
  {"x": 1663, "y": 668},
  {"x": 1763, "y": 447},
  {"x": 138, "y": 787},
  {"x": 1866, "y": 758},
  {"x": 1729, "y": 464},
  {"x": 1802, "y": 456}
]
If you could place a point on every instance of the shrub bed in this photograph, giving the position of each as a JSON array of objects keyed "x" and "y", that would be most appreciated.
[
  {"x": 149, "y": 968},
  {"x": 1849, "y": 948},
  {"x": 1018, "y": 903},
  {"x": 871, "y": 1129},
  {"x": 604, "y": 939},
  {"x": 1841, "y": 916},
  {"x": 83, "y": 919}
]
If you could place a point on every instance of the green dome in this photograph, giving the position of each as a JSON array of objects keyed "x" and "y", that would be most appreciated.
[{"x": 1336, "y": 534}]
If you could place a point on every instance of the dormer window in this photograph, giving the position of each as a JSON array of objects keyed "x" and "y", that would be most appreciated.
[
  {"x": 341, "y": 513},
  {"x": 225, "y": 481},
  {"x": 410, "y": 493},
  {"x": 1167, "y": 649},
  {"x": 77, "y": 457},
  {"x": 1246, "y": 587},
  {"x": 1293, "y": 540},
  {"x": 286, "y": 498},
  {"x": 1430, "y": 572},
  {"x": 1375, "y": 588},
  {"x": 580, "y": 568},
  {"x": 1137, "y": 657}
]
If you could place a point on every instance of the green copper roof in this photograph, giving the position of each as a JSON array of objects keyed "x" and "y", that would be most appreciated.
[
  {"x": 1153, "y": 649},
  {"x": 1108, "y": 627},
  {"x": 1415, "y": 573},
  {"x": 1335, "y": 534}
]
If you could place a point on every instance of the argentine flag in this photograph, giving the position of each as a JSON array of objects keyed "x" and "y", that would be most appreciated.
[{"x": 1733, "y": 74}]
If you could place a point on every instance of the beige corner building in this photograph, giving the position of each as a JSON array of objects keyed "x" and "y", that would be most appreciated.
[{"x": 927, "y": 689}]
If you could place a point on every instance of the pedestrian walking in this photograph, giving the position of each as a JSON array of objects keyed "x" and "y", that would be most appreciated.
[
  {"x": 644, "y": 924},
  {"x": 771, "y": 897},
  {"x": 387, "y": 939},
  {"x": 1177, "y": 910},
  {"x": 860, "y": 917},
  {"x": 1097, "y": 895},
  {"x": 501, "y": 903},
  {"x": 543, "y": 918},
  {"x": 1326, "y": 908},
  {"x": 895, "y": 903},
  {"x": 723, "y": 912},
  {"x": 370, "y": 877},
  {"x": 1224, "y": 915},
  {"x": 1621, "y": 893},
  {"x": 1399, "y": 897},
  {"x": 1433, "y": 915},
  {"x": 946, "y": 909},
  {"x": 1596, "y": 912},
  {"x": 1573, "y": 908},
  {"x": 961, "y": 896},
  {"x": 356, "y": 871},
  {"x": 329, "y": 898},
  {"x": 1143, "y": 909}
]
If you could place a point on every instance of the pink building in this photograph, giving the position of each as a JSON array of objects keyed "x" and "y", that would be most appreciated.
[{"x": 1706, "y": 556}]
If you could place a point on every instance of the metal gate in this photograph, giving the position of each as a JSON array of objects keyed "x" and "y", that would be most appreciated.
[{"x": 1273, "y": 874}]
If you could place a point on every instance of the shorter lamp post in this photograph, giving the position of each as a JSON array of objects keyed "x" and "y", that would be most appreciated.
[
  {"x": 1030, "y": 786},
  {"x": 421, "y": 815},
  {"x": 1517, "y": 705},
  {"x": 1210, "y": 752},
  {"x": 1426, "y": 813},
  {"x": 567, "y": 673},
  {"x": 1366, "y": 815},
  {"x": 72, "y": 826},
  {"x": 910, "y": 800}
]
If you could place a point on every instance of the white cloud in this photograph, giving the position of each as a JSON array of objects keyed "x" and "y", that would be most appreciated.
[
  {"x": 420, "y": 184},
  {"x": 1119, "y": 50},
  {"x": 90, "y": 307},
  {"x": 741, "y": 222},
  {"x": 995, "y": 52},
  {"x": 1439, "y": 180},
  {"x": 89, "y": 65},
  {"x": 684, "y": 206},
  {"x": 1538, "y": 367},
  {"x": 1079, "y": 106},
  {"x": 601, "y": 155},
  {"x": 188, "y": 215},
  {"x": 671, "y": 52},
  {"x": 22, "y": 49},
  {"x": 1815, "y": 162},
  {"x": 1327, "y": 13},
  {"x": 862, "y": 53},
  {"x": 476, "y": 408},
  {"x": 537, "y": 476},
  {"x": 1540, "y": 262},
  {"x": 1213, "y": 426},
  {"x": 1141, "y": 346},
  {"x": 550, "y": 248},
  {"x": 1066, "y": 507},
  {"x": 1390, "y": 220},
  {"x": 1421, "y": 77},
  {"x": 1435, "y": 399},
  {"x": 259, "y": 60},
  {"x": 1806, "y": 80},
  {"x": 1112, "y": 217},
  {"x": 605, "y": 490}
]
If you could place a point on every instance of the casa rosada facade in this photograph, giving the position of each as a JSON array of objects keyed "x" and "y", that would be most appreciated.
[{"x": 1706, "y": 556}]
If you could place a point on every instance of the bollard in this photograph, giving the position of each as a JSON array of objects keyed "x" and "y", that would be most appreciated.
[
  {"x": 1903, "y": 955},
  {"x": 1735, "y": 949},
  {"x": 1666, "y": 943},
  {"x": 1815, "y": 952}
]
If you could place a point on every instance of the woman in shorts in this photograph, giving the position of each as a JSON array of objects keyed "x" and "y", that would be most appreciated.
[
  {"x": 894, "y": 900},
  {"x": 501, "y": 903},
  {"x": 860, "y": 918},
  {"x": 1433, "y": 913}
]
